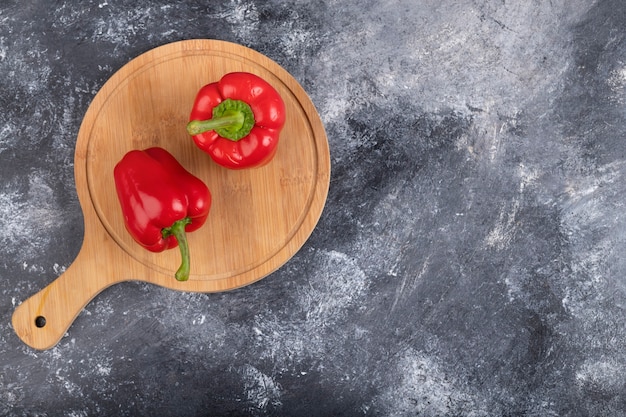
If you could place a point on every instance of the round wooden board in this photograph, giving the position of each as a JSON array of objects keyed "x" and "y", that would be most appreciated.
[{"x": 259, "y": 217}]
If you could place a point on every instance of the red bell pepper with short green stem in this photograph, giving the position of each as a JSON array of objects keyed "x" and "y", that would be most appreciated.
[
  {"x": 238, "y": 120},
  {"x": 161, "y": 201}
]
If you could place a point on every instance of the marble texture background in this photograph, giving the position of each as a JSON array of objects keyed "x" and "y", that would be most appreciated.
[{"x": 469, "y": 261}]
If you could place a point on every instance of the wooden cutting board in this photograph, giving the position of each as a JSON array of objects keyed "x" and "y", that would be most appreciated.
[{"x": 259, "y": 217}]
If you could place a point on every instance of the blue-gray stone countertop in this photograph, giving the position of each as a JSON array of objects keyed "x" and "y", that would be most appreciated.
[{"x": 469, "y": 260}]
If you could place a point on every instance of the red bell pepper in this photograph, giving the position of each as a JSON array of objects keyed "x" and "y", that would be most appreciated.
[
  {"x": 161, "y": 201},
  {"x": 237, "y": 120}
]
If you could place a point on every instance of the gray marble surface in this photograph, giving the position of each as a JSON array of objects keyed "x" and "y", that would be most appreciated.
[{"x": 469, "y": 261}]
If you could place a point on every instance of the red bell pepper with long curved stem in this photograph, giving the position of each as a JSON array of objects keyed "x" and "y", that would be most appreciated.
[
  {"x": 238, "y": 120},
  {"x": 161, "y": 201}
]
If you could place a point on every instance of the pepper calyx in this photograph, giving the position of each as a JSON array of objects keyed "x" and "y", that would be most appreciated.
[
  {"x": 177, "y": 229},
  {"x": 232, "y": 119}
]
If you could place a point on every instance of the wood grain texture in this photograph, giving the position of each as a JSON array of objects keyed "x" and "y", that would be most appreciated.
[{"x": 259, "y": 219}]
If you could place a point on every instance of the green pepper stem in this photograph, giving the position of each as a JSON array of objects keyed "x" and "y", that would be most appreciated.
[
  {"x": 232, "y": 119},
  {"x": 178, "y": 231},
  {"x": 195, "y": 127}
]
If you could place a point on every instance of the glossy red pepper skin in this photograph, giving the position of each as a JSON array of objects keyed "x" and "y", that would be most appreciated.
[
  {"x": 258, "y": 146},
  {"x": 157, "y": 195}
]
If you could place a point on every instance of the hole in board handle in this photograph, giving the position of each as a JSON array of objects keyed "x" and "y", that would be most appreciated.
[{"x": 40, "y": 321}]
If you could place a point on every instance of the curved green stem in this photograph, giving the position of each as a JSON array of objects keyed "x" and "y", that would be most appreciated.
[
  {"x": 178, "y": 231},
  {"x": 195, "y": 127},
  {"x": 232, "y": 119}
]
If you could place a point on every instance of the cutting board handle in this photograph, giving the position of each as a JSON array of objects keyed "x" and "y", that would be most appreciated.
[{"x": 43, "y": 319}]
